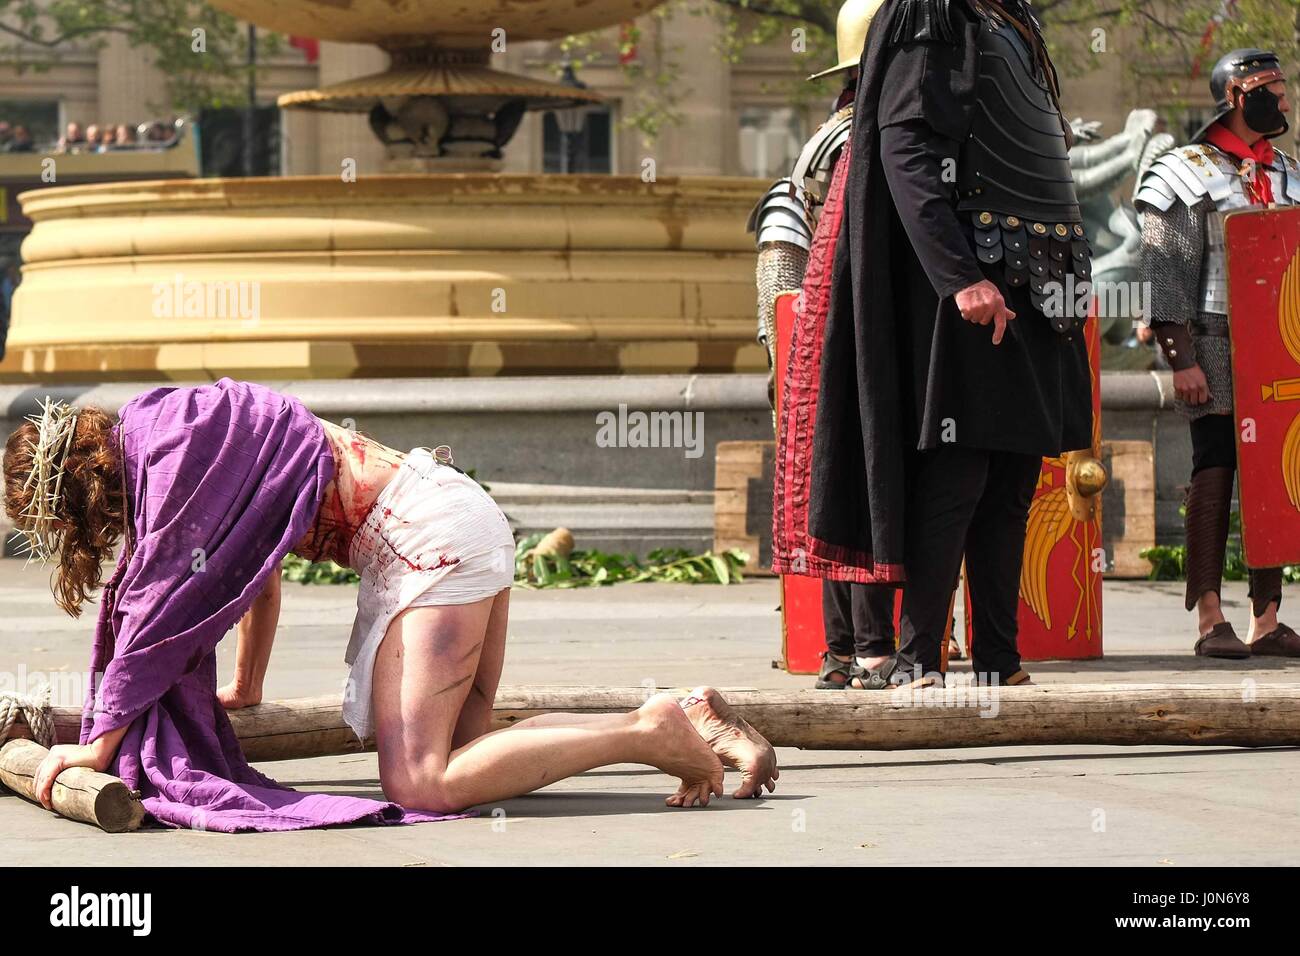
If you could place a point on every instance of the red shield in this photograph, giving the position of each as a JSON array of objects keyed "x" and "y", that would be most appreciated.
[
  {"x": 1060, "y": 573},
  {"x": 1264, "y": 317}
]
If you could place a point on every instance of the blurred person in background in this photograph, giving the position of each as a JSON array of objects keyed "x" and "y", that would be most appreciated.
[
  {"x": 159, "y": 133},
  {"x": 21, "y": 142},
  {"x": 72, "y": 139},
  {"x": 9, "y": 279}
]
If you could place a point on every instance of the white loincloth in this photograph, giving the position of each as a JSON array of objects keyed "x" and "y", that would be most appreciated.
[{"x": 433, "y": 537}]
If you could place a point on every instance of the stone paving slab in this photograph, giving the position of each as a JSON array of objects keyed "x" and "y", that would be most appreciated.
[{"x": 1141, "y": 806}]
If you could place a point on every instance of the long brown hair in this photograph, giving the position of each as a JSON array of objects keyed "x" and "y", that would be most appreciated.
[{"x": 90, "y": 503}]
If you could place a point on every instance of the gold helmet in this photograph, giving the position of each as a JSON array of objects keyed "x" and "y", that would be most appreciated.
[{"x": 851, "y": 34}]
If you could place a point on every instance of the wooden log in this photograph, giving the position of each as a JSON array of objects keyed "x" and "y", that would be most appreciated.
[
  {"x": 1240, "y": 714},
  {"x": 79, "y": 793},
  {"x": 1244, "y": 714}
]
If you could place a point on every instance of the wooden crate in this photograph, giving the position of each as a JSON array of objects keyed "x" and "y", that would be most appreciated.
[
  {"x": 742, "y": 503},
  {"x": 1128, "y": 507}
]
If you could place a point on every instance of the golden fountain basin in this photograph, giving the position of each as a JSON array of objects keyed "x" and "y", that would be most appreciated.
[
  {"x": 419, "y": 275},
  {"x": 453, "y": 23}
]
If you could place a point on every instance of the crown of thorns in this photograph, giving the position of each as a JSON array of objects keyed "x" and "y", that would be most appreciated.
[{"x": 56, "y": 426}]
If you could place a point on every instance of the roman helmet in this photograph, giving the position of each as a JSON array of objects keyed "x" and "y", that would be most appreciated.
[
  {"x": 851, "y": 34},
  {"x": 1248, "y": 70}
]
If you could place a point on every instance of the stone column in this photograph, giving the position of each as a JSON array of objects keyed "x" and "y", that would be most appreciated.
[
  {"x": 523, "y": 154},
  {"x": 131, "y": 89},
  {"x": 701, "y": 144},
  {"x": 347, "y": 135}
]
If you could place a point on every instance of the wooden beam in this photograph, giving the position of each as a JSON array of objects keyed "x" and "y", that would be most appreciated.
[
  {"x": 79, "y": 793},
  {"x": 1245, "y": 714}
]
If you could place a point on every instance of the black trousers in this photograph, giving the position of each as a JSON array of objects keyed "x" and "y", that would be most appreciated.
[
  {"x": 972, "y": 502},
  {"x": 859, "y": 618},
  {"x": 1214, "y": 443}
]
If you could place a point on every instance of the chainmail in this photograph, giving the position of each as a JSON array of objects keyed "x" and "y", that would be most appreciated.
[
  {"x": 781, "y": 266},
  {"x": 1173, "y": 244}
]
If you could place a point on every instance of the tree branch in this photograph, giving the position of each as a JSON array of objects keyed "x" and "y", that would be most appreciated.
[
  {"x": 814, "y": 13},
  {"x": 26, "y": 37}
]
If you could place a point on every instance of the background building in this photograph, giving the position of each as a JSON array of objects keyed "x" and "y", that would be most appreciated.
[{"x": 736, "y": 118}]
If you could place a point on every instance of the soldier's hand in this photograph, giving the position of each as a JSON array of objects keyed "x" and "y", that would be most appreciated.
[
  {"x": 981, "y": 304},
  {"x": 1190, "y": 385}
]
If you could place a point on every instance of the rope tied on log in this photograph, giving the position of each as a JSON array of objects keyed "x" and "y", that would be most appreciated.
[{"x": 35, "y": 709}]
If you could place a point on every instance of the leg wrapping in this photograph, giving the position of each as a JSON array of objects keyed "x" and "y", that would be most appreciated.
[
  {"x": 1209, "y": 505},
  {"x": 1265, "y": 586}
]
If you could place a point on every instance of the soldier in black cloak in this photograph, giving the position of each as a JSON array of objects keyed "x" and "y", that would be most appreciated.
[{"x": 953, "y": 357}]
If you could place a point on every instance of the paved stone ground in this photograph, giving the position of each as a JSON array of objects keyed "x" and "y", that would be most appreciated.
[{"x": 1030, "y": 805}]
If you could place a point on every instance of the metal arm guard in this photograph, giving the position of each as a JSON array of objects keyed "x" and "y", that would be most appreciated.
[{"x": 781, "y": 216}]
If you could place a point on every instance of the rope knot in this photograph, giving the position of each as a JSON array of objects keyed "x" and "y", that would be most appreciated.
[{"x": 34, "y": 708}]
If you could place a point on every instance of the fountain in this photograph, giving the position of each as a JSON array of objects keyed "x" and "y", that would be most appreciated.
[{"x": 443, "y": 267}]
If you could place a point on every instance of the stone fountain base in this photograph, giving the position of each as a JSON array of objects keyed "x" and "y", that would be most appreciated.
[{"x": 395, "y": 275}]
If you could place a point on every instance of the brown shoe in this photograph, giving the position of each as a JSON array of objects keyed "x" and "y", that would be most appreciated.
[
  {"x": 1222, "y": 641},
  {"x": 1279, "y": 642}
]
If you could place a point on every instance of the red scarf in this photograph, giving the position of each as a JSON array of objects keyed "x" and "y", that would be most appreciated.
[{"x": 1259, "y": 188}]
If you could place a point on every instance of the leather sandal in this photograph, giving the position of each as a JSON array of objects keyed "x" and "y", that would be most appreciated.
[
  {"x": 1222, "y": 641},
  {"x": 860, "y": 678},
  {"x": 832, "y": 666},
  {"x": 1018, "y": 679},
  {"x": 1279, "y": 642},
  {"x": 890, "y": 676}
]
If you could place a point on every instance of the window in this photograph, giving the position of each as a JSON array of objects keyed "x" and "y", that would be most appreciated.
[
  {"x": 582, "y": 143},
  {"x": 1195, "y": 118},
  {"x": 770, "y": 140},
  {"x": 41, "y": 117}
]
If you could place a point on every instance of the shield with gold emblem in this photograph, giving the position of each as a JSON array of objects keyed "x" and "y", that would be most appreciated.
[
  {"x": 1061, "y": 572},
  {"x": 1264, "y": 321}
]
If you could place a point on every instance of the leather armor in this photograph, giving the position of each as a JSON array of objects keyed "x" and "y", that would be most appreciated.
[{"x": 1014, "y": 182}]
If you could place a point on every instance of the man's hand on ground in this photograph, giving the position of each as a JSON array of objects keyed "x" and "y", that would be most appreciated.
[{"x": 981, "y": 304}]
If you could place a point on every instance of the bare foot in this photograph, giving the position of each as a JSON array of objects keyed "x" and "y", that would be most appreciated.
[
  {"x": 675, "y": 748},
  {"x": 735, "y": 742}
]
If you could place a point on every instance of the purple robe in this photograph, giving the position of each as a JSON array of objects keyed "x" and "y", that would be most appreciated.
[{"x": 222, "y": 480}]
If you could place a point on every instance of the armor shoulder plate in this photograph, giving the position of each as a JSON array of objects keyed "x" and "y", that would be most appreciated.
[
  {"x": 1291, "y": 171},
  {"x": 817, "y": 159},
  {"x": 781, "y": 216},
  {"x": 923, "y": 20},
  {"x": 1153, "y": 191},
  {"x": 1193, "y": 173}
]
